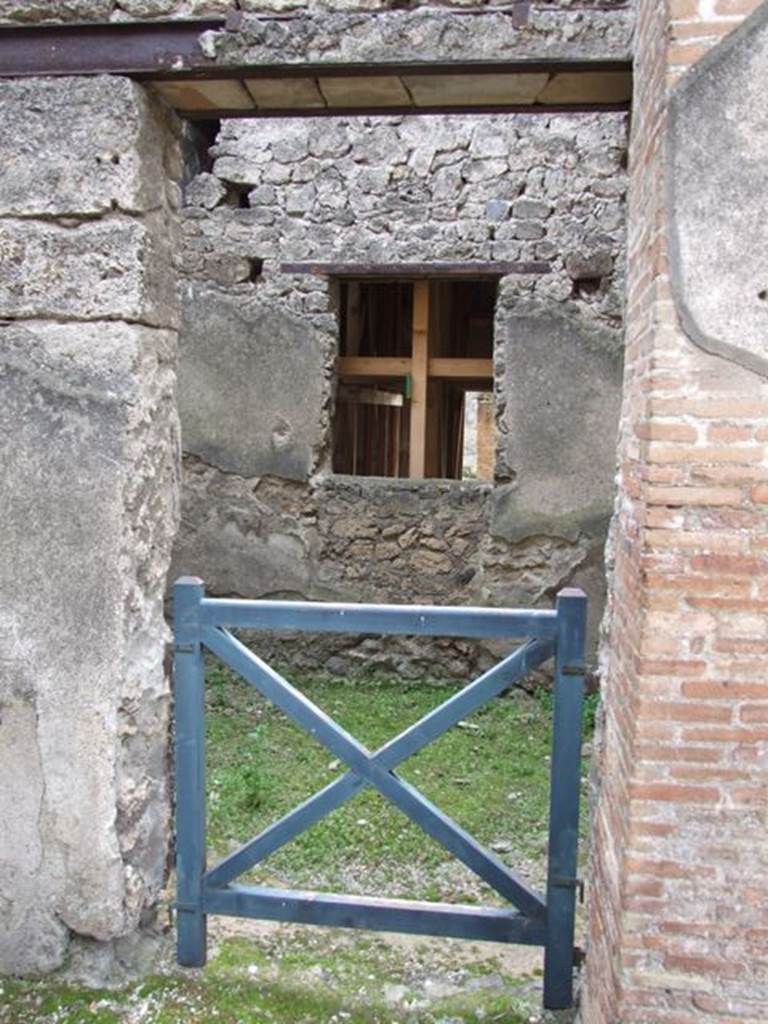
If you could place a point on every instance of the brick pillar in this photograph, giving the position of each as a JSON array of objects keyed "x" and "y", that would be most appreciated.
[
  {"x": 679, "y": 876},
  {"x": 88, "y": 446}
]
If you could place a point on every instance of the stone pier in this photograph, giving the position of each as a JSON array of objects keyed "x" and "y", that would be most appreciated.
[{"x": 88, "y": 427}]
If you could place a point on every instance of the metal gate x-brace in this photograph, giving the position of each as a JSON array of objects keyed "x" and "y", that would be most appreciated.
[{"x": 203, "y": 622}]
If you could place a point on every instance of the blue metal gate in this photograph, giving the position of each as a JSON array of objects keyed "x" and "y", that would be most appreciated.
[{"x": 547, "y": 921}]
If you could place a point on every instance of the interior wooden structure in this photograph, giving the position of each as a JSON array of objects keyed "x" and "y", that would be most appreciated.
[{"x": 409, "y": 353}]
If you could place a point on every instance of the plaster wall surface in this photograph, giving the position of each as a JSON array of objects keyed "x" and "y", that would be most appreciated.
[
  {"x": 262, "y": 512},
  {"x": 88, "y": 507},
  {"x": 719, "y": 261}
]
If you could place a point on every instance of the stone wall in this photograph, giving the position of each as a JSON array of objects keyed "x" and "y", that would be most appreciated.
[
  {"x": 88, "y": 427},
  {"x": 268, "y": 33},
  {"x": 679, "y": 871},
  {"x": 262, "y": 512},
  {"x": 36, "y": 12}
]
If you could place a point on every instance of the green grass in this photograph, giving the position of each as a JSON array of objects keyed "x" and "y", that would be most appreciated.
[
  {"x": 323, "y": 979},
  {"x": 491, "y": 775}
]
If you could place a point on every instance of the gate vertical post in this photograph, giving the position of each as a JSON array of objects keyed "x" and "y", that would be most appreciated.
[
  {"x": 564, "y": 798},
  {"x": 189, "y": 704}
]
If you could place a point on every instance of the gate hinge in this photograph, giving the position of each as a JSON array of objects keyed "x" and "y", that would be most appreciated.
[
  {"x": 563, "y": 882},
  {"x": 185, "y": 648},
  {"x": 573, "y": 670},
  {"x": 194, "y": 908}
]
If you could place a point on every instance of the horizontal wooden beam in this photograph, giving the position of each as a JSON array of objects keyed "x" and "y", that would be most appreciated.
[
  {"x": 466, "y": 269},
  {"x": 369, "y": 396},
  {"x": 384, "y": 620},
  {"x": 373, "y": 366},
  {"x": 396, "y": 366},
  {"x": 464, "y": 369},
  {"x": 491, "y": 924}
]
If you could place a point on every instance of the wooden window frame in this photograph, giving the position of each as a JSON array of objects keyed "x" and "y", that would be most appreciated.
[{"x": 420, "y": 368}]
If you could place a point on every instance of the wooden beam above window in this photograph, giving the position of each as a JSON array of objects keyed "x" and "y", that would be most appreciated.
[{"x": 398, "y": 271}]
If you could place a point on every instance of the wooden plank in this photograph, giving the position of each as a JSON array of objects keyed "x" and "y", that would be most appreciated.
[
  {"x": 419, "y": 368},
  {"x": 385, "y": 620},
  {"x": 206, "y": 94},
  {"x": 369, "y": 91},
  {"x": 463, "y": 369},
  {"x": 434, "y": 460},
  {"x": 282, "y": 93},
  {"x": 450, "y": 90},
  {"x": 355, "y": 438},
  {"x": 564, "y": 794},
  {"x": 466, "y": 269},
  {"x": 354, "y": 319},
  {"x": 489, "y": 924},
  {"x": 369, "y": 396},
  {"x": 396, "y": 443},
  {"x": 189, "y": 690},
  {"x": 373, "y": 366},
  {"x": 599, "y": 87}
]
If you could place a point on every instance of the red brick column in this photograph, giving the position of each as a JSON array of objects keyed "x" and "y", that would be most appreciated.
[{"x": 678, "y": 919}]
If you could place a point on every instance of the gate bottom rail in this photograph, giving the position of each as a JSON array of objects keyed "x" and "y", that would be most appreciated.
[
  {"x": 547, "y": 922},
  {"x": 449, "y": 920}
]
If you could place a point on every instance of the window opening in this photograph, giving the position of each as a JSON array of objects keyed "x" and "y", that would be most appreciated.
[
  {"x": 411, "y": 352},
  {"x": 479, "y": 452}
]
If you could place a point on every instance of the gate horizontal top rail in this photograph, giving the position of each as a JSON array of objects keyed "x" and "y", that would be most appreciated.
[
  {"x": 385, "y": 619},
  {"x": 548, "y": 921}
]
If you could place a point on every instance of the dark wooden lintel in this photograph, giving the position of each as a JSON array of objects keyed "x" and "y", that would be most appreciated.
[{"x": 498, "y": 268}]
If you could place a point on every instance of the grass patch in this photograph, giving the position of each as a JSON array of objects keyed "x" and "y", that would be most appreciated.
[
  {"x": 325, "y": 977},
  {"x": 491, "y": 775}
]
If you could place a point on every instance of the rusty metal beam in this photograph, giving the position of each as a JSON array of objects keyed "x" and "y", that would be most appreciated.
[
  {"x": 144, "y": 49},
  {"x": 167, "y": 49}
]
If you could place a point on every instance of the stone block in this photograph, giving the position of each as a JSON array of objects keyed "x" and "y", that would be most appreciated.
[
  {"x": 252, "y": 384},
  {"x": 88, "y": 434},
  {"x": 531, "y": 209},
  {"x": 327, "y": 32},
  {"x": 237, "y": 544},
  {"x": 581, "y": 266},
  {"x": 204, "y": 190},
  {"x": 33, "y": 11},
  {"x": 79, "y": 146},
  {"x": 562, "y": 382},
  {"x": 116, "y": 268}
]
